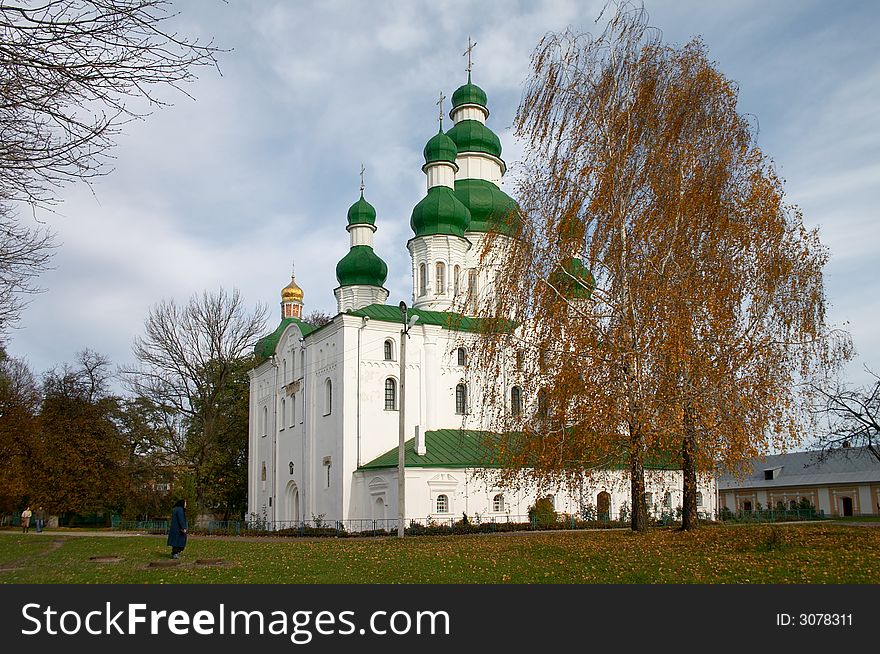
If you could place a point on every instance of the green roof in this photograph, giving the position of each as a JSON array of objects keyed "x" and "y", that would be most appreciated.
[
  {"x": 492, "y": 210},
  {"x": 265, "y": 347},
  {"x": 474, "y": 136},
  {"x": 573, "y": 280},
  {"x": 361, "y": 266},
  {"x": 469, "y": 94},
  {"x": 448, "y": 320},
  {"x": 361, "y": 213},
  {"x": 440, "y": 212},
  {"x": 444, "y": 448},
  {"x": 440, "y": 148}
]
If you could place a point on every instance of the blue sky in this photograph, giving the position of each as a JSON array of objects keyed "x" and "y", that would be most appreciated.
[{"x": 260, "y": 168}]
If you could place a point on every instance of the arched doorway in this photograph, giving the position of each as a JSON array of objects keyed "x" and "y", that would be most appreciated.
[
  {"x": 292, "y": 502},
  {"x": 847, "y": 505},
  {"x": 603, "y": 505}
]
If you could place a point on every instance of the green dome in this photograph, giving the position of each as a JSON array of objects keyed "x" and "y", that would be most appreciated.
[
  {"x": 576, "y": 282},
  {"x": 492, "y": 210},
  {"x": 440, "y": 148},
  {"x": 361, "y": 213},
  {"x": 474, "y": 136},
  {"x": 361, "y": 266},
  {"x": 469, "y": 94},
  {"x": 440, "y": 212}
]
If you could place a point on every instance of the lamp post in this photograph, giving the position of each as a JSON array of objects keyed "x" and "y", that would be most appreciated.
[{"x": 401, "y": 455}]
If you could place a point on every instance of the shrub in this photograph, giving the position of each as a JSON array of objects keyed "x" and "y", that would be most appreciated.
[{"x": 542, "y": 512}]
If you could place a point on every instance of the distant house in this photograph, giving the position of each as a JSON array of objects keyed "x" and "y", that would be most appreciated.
[{"x": 845, "y": 483}]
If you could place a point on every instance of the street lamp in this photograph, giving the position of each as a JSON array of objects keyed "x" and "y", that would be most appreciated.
[{"x": 401, "y": 500}]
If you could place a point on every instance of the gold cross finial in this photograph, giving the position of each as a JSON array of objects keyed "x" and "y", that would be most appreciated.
[
  {"x": 468, "y": 53},
  {"x": 439, "y": 103},
  {"x": 363, "y": 170},
  {"x": 292, "y": 269}
]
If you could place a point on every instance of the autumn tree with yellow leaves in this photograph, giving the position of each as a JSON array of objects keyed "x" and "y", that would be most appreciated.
[{"x": 670, "y": 305}]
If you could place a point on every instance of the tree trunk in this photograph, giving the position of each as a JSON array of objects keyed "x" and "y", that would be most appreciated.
[
  {"x": 639, "y": 518},
  {"x": 689, "y": 518}
]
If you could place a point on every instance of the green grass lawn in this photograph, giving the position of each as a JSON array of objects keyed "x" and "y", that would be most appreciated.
[{"x": 803, "y": 553}]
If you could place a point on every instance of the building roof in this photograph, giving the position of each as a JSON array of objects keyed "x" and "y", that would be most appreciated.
[
  {"x": 445, "y": 319},
  {"x": 440, "y": 148},
  {"x": 265, "y": 347},
  {"x": 849, "y": 465},
  {"x": 445, "y": 448},
  {"x": 361, "y": 212},
  {"x": 473, "y": 136},
  {"x": 440, "y": 212}
]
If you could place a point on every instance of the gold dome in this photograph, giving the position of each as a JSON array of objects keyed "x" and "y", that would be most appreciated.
[{"x": 292, "y": 292}]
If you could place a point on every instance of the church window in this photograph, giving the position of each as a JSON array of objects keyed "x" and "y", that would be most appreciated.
[
  {"x": 462, "y": 356},
  {"x": 456, "y": 276},
  {"x": 472, "y": 287},
  {"x": 520, "y": 360},
  {"x": 442, "y": 504},
  {"x": 328, "y": 466},
  {"x": 302, "y": 363},
  {"x": 498, "y": 503},
  {"x": 649, "y": 501},
  {"x": 515, "y": 402},
  {"x": 284, "y": 370},
  {"x": 283, "y": 414},
  {"x": 290, "y": 465},
  {"x": 699, "y": 499},
  {"x": 389, "y": 350},
  {"x": 461, "y": 399},
  {"x": 328, "y": 397},
  {"x": 265, "y": 420},
  {"x": 542, "y": 403},
  {"x": 440, "y": 278},
  {"x": 667, "y": 501},
  {"x": 263, "y": 472},
  {"x": 390, "y": 394},
  {"x": 292, "y": 410},
  {"x": 423, "y": 279}
]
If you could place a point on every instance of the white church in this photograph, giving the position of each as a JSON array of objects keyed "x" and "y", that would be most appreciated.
[{"x": 324, "y": 401}]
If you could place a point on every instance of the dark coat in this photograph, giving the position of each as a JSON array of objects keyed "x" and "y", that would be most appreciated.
[{"x": 176, "y": 535}]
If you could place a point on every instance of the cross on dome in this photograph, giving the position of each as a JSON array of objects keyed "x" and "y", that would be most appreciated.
[
  {"x": 468, "y": 52},
  {"x": 440, "y": 104},
  {"x": 363, "y": 170}
]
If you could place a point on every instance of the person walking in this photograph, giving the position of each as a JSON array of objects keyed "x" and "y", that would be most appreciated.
[
  {"x": 26, "y": 519},
  {"x": 177, "y": 530},
  {"x": 39, "y": 519}
]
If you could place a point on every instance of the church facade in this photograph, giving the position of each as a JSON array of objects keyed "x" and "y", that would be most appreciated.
[{"x": 325, "y": 401}]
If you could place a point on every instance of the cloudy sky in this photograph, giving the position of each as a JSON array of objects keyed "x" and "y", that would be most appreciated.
[{"x": 259, "y": 170}]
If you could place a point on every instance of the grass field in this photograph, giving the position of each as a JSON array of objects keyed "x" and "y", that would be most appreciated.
[{"x": 786, "y": 553}]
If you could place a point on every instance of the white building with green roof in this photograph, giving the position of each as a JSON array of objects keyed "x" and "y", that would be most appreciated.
[{"x": 324, "y": 400}]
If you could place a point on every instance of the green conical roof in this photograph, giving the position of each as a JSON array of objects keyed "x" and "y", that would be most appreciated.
[
  {"x": 440, "y": 212},
  {"x": 440, "y": 148},
  {"x": 573, "y": 279},
  {"x": 361, "y": 213},
  {"x": 474, "y": 136},
  {"x": 361, "y": 266},
  {"x": 469, "y": 94},
  {"x": 492, "y": 210}
]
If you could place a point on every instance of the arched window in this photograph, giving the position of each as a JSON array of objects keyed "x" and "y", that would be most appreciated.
[
  {"x": 699, "y": 499},
  {"x": 793, "y": 505},
  {"x": 520, "y": 358},
  {"x": 292, "y": 410},
  {"x": 456, "y": 277},
  {"x": 667, "y": 501},
  {"x": 423, "y": 279},
  {"x": 542, "y": 403},
  {"x": 302, "y": 363},
  {"x": 649, "y": 501},
  {"x": 461, "y": 399},
  {"x": 390, "y": 394},
  {"x": 284, "y": 370},
  {"x": 283, "y": 415},
  {"x": 472, "y": 286},
  {"x": 265, "y": 421},
  {"x": 440, "y": 278},
  {"x": 442, "y": 504},
  {"x": 515, "y": 402},
  {"x": 328, "y": 397},
  {"x": 498, "y": 503},
  {"x": 389, "y": 350},
  {"x": 263, "y": 472},
  {"x": 461, "y": 353}
]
